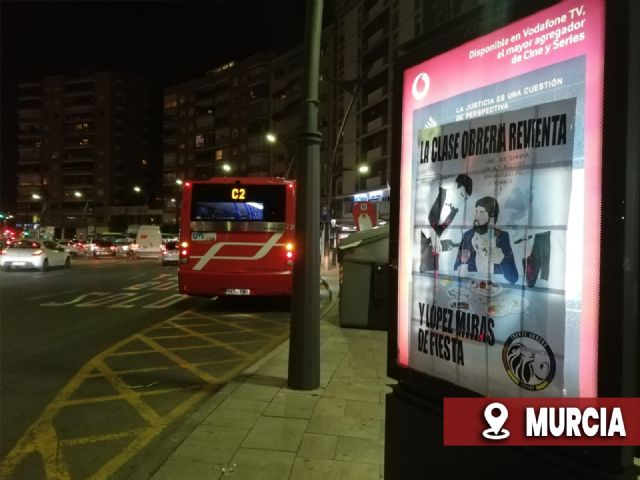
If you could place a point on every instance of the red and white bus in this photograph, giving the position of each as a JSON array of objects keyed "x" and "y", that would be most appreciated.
[{"x": 237, "y": 236}]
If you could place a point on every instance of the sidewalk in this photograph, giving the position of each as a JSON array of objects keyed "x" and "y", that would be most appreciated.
[{"x": 257, "y": 428}]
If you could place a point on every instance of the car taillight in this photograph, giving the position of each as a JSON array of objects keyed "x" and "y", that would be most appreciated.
[
  {"x": 37, "y": 252},
  {"x": 3, "y": 252},
  {"x": 113, "y": 249}
]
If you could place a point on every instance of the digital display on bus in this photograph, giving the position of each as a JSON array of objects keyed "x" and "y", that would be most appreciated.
[
  {"x": 499, "y": 208},
  {"x": 251, "y": 203}
]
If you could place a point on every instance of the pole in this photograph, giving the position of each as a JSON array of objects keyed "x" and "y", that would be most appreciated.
[
  {"x": 304, "y": 346},
  {"x": 327, "y": 226},
  {"x": 291, "y": 160}
]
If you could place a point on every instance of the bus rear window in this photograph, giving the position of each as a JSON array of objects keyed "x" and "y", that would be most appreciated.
[{"x": 238, "y": 203}]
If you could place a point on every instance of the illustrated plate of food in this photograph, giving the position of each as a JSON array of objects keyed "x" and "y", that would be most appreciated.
[
  {"x": 460, "y": 294},
  {"x": 485, "y": 287}
]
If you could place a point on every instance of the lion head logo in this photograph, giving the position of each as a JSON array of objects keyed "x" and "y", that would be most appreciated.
[{"x": 528, "y": 360}]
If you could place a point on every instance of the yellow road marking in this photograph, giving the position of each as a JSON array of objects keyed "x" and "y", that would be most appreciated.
[{"x": 43, "y": 439}]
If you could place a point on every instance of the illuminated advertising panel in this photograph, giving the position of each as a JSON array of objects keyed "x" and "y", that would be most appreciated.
[{"x": 499, "y": 208}]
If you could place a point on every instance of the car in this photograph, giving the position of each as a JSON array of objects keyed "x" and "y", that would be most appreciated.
[
  {"x": 170, "y": 253},
  {"x": 73, "y": 247},
  {"x": 103, "y": 248},
  {"x": 32, "y": 254},
  {"x": 123, "y": 245},
  {"x": 148, "y": 242}
]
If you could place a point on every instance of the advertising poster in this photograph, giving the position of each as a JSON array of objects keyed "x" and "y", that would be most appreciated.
[{"x": 498, "y": 254}]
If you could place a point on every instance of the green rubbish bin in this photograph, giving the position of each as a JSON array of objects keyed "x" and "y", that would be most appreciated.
[{"x": 364, "y": 258}]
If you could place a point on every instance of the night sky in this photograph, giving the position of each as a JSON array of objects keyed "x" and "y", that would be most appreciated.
[{"x": 165, "y": 42}]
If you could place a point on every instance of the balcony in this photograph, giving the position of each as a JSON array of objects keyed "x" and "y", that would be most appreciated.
[
  {"x": 375, "y": 124},
  {"x": 223, "y": 133},
  {"x": 377, "y": 37},
  {"x": 374, "y": 182},
  {"x": 205, "y": 122},
  {"x": 169, "y": 159},
  {"x": 376, "y": 67},
  {"x": 79, "y": 91},
  {"x": 29, "y": 179},
  {"x": 374, "y": 154},
  {"x": 26, "y": 98},
  {"x": 205, "y": 102},
  {"x": 28, "y": 136},
  {"x": 80, "y": 108},
  {"x": 375, "y": 9},
  {"x": 27, "y": 151},
  {"x": 78, "y": 147},
  {"x": 376, "y": 95}
]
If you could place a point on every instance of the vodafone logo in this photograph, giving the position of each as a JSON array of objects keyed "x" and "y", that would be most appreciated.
[{"x": 420, "y": 86}]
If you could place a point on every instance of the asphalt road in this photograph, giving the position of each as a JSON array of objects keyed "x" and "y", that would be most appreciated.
[{"x": 108, "y": 350}]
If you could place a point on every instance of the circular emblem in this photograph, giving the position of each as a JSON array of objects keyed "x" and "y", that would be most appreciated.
[
  {"x": 528, "y": 360},
  {"x": 420, "y": 86}
]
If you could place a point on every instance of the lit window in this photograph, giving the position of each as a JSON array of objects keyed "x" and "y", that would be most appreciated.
[
  {"x": 199, "y": 140},
  {"x": 218, "y": 154},
  {"x": 84, "y": 141}
]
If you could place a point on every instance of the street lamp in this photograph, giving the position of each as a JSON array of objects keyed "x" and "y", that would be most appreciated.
[
  {"x": 78, "y": 194},
  {"x": 138, "y": 189},
  {"x": 226, "y": 167},
  {"x": 363, "y": 168},
  {"x": 353, "y": 87},
  {"x": 273, "y": 139},
  {"x": 35, "y": 196}
]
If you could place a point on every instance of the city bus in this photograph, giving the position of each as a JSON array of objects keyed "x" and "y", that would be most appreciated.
[{"x": 237, "y": 237}]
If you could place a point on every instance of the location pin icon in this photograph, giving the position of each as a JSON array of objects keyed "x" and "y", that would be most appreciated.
[{"x": 495, "y": 421}]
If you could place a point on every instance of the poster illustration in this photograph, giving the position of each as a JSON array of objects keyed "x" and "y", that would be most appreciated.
[{"x": 496, "y": 238}]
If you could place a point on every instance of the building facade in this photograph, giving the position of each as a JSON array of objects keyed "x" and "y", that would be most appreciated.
[
  {"x": 84, "y": 143},
  {"x": 216, "y": 125}
]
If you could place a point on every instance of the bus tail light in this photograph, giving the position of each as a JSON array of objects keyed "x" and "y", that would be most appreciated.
[
  {"x": 184, "y": 252},
  {"x": 289, "y": 254}
]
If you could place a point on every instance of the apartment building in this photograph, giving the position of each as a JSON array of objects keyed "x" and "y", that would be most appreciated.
[
  {"x": 216, "y": 125},
  {"x": 84, "y": 143},
  {"x": 368, "y": 36},
  {"x": 204, "y": 136}
]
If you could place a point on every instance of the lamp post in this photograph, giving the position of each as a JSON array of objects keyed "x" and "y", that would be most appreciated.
[
  {"x": 273, "y": 139},
  {"x": 138, "y": 189},
  {"x": 176, "y": 206},
  {"x": 352, "y": 86},
  {"x": 304, "y": 345}
]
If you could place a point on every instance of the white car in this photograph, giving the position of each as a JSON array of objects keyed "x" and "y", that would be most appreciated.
[{"x": 31, "y": 254}]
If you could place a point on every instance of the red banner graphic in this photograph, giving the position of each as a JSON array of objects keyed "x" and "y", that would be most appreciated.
[{"x": 541, "y": 421}]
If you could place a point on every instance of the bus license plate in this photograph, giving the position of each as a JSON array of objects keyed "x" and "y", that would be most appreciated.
[{"x": 238, "y": 291}]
